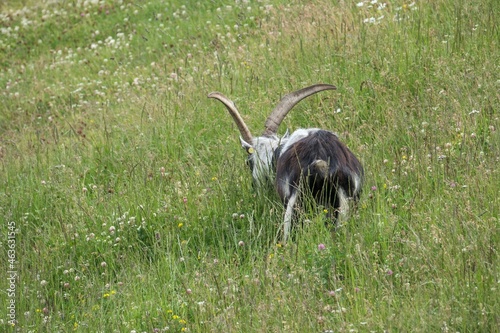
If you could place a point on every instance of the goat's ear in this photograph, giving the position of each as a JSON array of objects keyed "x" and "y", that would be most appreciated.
[{"x": 248, "y": 147}]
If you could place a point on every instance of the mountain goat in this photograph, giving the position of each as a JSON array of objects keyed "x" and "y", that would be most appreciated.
[{"x": 312, "y": 159}]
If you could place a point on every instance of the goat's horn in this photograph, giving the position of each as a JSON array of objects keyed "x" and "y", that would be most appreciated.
[
  {"x": 287, "y": 103},
  {"x": 245, "y": 132}
]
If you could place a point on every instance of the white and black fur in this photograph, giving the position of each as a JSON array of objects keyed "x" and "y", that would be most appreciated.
[{"x": 308, "y": 159}]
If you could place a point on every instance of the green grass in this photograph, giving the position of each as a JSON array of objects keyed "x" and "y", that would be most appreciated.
[{"x": 132, "y": 206}]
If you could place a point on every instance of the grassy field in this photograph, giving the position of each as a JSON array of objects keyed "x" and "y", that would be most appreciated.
[{"x": 126, "y": 204}]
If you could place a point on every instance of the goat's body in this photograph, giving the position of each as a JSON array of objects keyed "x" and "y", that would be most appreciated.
[{"x": 318, "y": 160}]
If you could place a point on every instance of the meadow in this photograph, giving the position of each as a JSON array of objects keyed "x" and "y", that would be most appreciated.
[{"x": 126, "y": 204}]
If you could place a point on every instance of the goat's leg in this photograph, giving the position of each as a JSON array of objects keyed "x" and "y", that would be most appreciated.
[
  {"x": 341, "y": 212},
  {"x": 287, "y": 225}
]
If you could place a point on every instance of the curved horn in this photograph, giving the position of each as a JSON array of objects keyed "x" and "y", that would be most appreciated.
[
  {"x": 287, "y": 103},
  {"x": 245, "y": 132}
]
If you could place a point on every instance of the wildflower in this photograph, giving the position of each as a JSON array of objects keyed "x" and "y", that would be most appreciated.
[
  {"x": 188, "y": 291},
  {"x": 180, "y": 225},
  {"x": 241, "y": 243},
  {"x": 321, "y": 247},
  {"x": 389, "y": 272},
  {"x": 103, "y": 264},
  {"x": 43, "y": 283},
  {"x": 374, "y": 188}
]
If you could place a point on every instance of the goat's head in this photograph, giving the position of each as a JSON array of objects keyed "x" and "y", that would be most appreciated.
[{"x": 261, "y": 150}]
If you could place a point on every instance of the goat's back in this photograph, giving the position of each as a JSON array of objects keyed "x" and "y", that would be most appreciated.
[{"x": 323, "y": 162}]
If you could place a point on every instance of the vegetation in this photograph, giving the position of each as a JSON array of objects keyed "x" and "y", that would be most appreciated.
[{"x": 125, "y": 201}]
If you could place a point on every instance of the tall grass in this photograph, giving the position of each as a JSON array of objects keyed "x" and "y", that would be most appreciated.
[{"x": 132, "y": 206}]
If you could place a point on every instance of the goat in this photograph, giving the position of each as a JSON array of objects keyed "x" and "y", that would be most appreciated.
[{"x": 308, "y": 159}]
